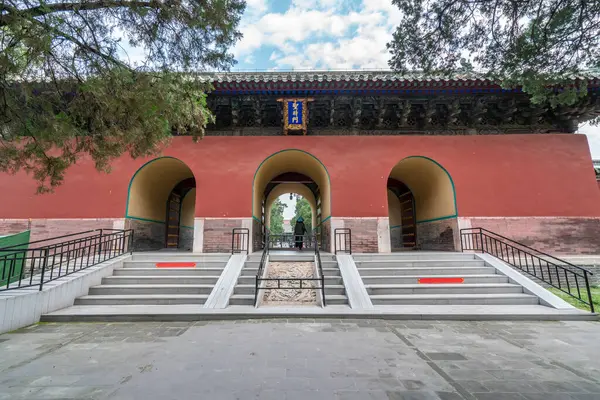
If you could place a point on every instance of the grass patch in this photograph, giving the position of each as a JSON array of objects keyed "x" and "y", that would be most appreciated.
[{"x": 576, "y": 303}]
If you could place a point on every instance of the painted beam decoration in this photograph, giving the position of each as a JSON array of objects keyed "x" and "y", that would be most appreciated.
[{"x": 295, "y": 115}]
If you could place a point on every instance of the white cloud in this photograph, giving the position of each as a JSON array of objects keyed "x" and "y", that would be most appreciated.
[{"x": 330, "y": 25}]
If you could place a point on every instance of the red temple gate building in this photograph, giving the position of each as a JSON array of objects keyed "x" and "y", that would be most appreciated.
[{"x": 405, "y": 162}]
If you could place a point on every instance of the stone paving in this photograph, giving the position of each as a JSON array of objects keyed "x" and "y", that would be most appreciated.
[{"x": 303, "y": 359}]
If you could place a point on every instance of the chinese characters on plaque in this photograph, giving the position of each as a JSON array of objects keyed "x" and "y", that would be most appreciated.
[{"x": 295, "y": 115}]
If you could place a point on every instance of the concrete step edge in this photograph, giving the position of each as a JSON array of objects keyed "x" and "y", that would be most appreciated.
[
  {"x": 157, "y": 286},
  {"x": 142, "y": 296},
  {"x": 443, "y": 286},
  {"x": 452, "y": 296}
]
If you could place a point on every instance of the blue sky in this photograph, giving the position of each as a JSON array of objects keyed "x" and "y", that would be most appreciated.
[{"x": 315, "y": 34}]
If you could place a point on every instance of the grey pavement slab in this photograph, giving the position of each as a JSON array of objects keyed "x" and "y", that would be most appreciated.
[{"x": 302, "y": 359}]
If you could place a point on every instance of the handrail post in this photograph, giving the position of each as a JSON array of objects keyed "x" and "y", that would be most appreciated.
[
  {"x": 44, "y": 265},
  {"x": 481, "y": 240},
  {"x": 100, "y": 245},
  {"x": 589, "y": 292}
]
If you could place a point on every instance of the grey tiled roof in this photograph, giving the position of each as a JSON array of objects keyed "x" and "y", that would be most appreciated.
[
  {"x": 351, "y": 75},
  {"x": 304, "y": 76}
]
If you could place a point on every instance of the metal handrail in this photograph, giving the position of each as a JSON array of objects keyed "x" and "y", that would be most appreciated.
[
  {"x": 29, "y": 267},
  {"x": 237, "y": 240},
  {"x": 320, "y": 269},
  {"x": 51, "y": 239},
  {"x": 261, "y": 267},
  {"x": 345, "y": 235},
  {"x": 527, "y": 259}
]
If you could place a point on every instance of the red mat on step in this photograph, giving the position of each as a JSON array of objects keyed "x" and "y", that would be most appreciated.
[
  {"x": 176, "y": 265},
  {"x": 441, "y": 280}
]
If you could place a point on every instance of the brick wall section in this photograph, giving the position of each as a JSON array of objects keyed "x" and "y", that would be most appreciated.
[
  {"x": 437, "y": 235},
  {"x": 364, "y": 234},
  {"x": 553, "y": 235},
  {"x": 10, "y": 226},
  {"x": 217, "y": 234},
  {"x": 49, "y": 228}
]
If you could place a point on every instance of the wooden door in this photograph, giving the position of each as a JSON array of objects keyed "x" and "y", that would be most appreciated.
[
  {"x": 173, "y": 219},
  {"x": 409, "y": 223}
]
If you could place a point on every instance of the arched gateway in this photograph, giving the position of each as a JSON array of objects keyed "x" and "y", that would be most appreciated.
[
  {"x": 291, "y": 171},
  {"x": 420, "y": 193},
  {"x": 160, "y": 205}
]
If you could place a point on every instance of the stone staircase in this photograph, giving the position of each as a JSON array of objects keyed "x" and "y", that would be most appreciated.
[
  {"x": 243, "y": 293},
  {"x": 335, "y": 292},
  {"x": 430, "y": 278},
  {"x": 141, "y": 282}
]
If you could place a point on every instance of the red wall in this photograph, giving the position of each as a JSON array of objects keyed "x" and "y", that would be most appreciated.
[{"x": 503, "y": 175}]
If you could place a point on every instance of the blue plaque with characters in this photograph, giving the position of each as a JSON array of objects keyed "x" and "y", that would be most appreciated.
[{"x": 295, "y": 118}]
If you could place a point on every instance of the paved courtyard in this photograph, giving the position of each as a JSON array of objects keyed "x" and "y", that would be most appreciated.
[{"x": 303, "y": 359}]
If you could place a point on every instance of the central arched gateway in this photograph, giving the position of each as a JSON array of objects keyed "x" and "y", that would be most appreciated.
[{"x": 291, "y": 171}]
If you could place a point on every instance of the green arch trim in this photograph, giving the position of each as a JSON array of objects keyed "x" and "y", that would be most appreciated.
[
  {"x": 133, "y": 178},
  {"x": 283, "y": 151},
  {"x": 451, "y": 182}
]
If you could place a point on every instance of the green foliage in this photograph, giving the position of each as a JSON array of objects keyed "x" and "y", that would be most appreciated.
[
  {"x": 576, "y": 303},
  {"x": 303, "y": 210},
  {"x": 70, "y": 90},
  {"x": 536, "y": 45},
  {"x": 276, "y": 221}
]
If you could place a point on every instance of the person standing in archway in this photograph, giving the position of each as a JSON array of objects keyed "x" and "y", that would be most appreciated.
[{"x": 299, "y": 232}]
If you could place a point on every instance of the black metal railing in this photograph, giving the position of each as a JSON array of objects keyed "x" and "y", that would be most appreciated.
[
  {"x": 288, "y": 241},
  {"x": 342, "y": 240},
  {"x": 39, "y": 262},
  {"x": 295, "y": 283},
  {"x": 261, "y": 268},
  {"x": 560, "y": 274},
  {"x": 320, "y": 270},
  {"x": 240, "y": 240}
]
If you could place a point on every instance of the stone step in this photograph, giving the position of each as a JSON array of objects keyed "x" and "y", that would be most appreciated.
[
  {"x": 152, "y": 264},
  {"x": 331, "y": 272},
  {"x": 153, "y": 271},
  {"x": 150, "y": 289},
  {"x": 336, "y": 299},
  {"x": 246, "y": 280},
  {"x": 416, "y": 255},
  {"x": 454, "y": 299},
  {"x": 141, "y": 299},
  {"x": 477, "y": 288},
  {"x": 419, "y": 263},
  {"x": 249, "y": 271},
  {"x": 180, "y": 257},
  {"x": 429, "y": 271},
  {"x": 414, "y": 279},
  {"x": 161, "y": 280},
  {"x": 244, "y": 289},
  {"x": 334, "y": 290},
  {"x": 242, "y": 300}
]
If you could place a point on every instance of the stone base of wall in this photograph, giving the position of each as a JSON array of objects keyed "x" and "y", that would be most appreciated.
[
  {"x": 438, "y": 235},
  {"x": 217, "y": 234},
  {"x": 364, "y": 233},
  {"x": 553, "y": 235},
  {"x": 147, "y": 235},
  {"x": 186, "y": 238}
]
